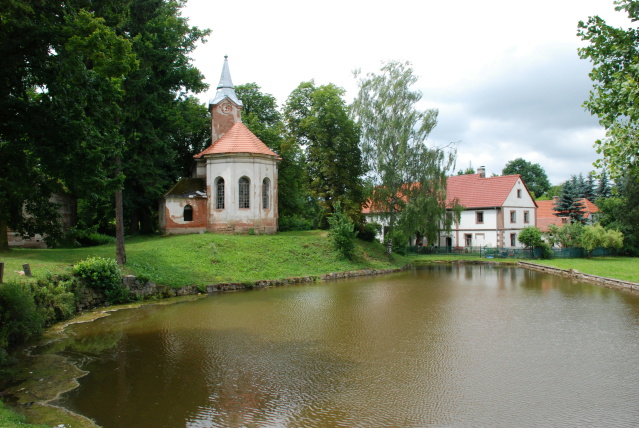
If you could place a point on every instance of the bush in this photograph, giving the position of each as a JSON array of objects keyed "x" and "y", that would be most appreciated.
[
  {"x": 400, "y": 242},
  {"x": 369, "y": 232},
  {"x": 294, "y": 223},
  {"x": 88, "y": 237},
  {"x": 54, "y": 298},
  {"x": 341, "y": 232},
  {"x": 103, "y": 275},
  {"x": 19, "y": 315}
]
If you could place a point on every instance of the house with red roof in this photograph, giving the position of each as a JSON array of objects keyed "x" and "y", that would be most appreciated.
[
  {"x": 234, "y": 185},
  {"x": 546, "y": 214},
  {"x": 496, "y": 209}
]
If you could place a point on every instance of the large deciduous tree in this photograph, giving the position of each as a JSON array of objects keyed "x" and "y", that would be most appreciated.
[
  {"x": 409, "y": 176},
  {"x": 319, "y": 119},
  {"x": 533, "y": 175},
  {"x": 61, "y": 85},
  {"x": 614, "y": 53},
  {"x": 261, "y": 116}
]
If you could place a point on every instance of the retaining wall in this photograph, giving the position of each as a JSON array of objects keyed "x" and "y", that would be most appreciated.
[{"x": 89, "y": 298}]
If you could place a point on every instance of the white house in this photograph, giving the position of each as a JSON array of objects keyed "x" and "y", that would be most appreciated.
[
  {"x": 496, "y": 209},
  {"x": 234, "y": 186}
]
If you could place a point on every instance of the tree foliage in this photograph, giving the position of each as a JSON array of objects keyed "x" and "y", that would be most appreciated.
[
  {"x": 533, "y": 175},
  {"x": 570, "y": 202},
  {"x": 568, "y": 235},
  {"x": 342, "y": 232},
  {"x": 318, "y": 118},
  {"x": 531, "y": 237},
  {"x": 614, "y": 98},
  {"x": 409, "y": 176},
  {"x": 261, "y": 115}
]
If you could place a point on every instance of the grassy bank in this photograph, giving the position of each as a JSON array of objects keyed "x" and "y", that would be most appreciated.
[
  {"x": 208, "y": 258},
  {"x": 623, "y": 268}
]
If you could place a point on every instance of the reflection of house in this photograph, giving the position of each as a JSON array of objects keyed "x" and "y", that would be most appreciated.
[
  {"x": 234, "y": 188},
  {"x": 496, "y": 209},
  {"x": 546, "y": 214}
]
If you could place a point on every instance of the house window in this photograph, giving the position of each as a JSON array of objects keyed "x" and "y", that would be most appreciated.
[
  {"x": 219, "y": 194},
  {"x": 519, "y": 193},
  {"x": 513, "y": 239},
  {"x": 244, "y": 192},
  {"x": 188, "y": 213},
  {"x": 265, "y": 193},
  {"x": 526, "y": 217},
  {"x": 513, "y": 216},
  {"x": 469, "y": 239},
  {"x": 479, "y": 217}
]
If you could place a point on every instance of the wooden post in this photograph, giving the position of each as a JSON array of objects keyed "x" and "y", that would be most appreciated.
[
  {"x": 1, "y": 271},
  {"x": 27, "y": 269}
]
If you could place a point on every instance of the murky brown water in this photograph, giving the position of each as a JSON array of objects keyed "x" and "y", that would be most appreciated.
[{"x": 443, "y": 346}]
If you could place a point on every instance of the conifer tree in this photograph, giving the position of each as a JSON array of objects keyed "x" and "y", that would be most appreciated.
[{"x": 569, "y": 203}]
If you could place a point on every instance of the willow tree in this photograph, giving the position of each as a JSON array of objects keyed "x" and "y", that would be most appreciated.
[{"x": 409, "y": 176}]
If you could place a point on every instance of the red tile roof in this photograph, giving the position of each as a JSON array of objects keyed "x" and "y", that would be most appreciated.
[
  {"x": 546, "y": 214},
  {"x": 239, "y": 139},
  {"x": 473, "y": 191}
]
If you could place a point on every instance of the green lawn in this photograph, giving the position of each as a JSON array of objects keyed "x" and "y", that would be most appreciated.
[
  {"x": 624, "y": 268},
  {"x": 209, "y": 258}
]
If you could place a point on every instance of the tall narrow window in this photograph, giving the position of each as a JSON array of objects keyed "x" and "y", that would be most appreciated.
[
  {"x": 513, "y": 239},
  {"x": 526, "y": 217},
  {"x": 468, "y": 238},
  {"x": 513, "y": 216},
  {"x": 519, "y": 193},
  {"x": 219, "y": 194},
  {"x": 188, "y": 213},
  {"x": 266, "y": 184},
  {"x": 479, "y": 217},
  {"x": 244, "y": 192}
]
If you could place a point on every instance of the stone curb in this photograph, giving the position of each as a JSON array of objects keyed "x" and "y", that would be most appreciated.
[{"x": 575, "y": 274}]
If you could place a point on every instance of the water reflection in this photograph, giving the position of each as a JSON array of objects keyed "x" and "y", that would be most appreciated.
[{"x": 447, "y": 345}]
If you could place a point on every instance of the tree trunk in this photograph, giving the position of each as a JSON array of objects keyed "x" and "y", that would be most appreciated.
[
  {"x": 4, "y": 236},
  {"x": 120, "y": 253}
]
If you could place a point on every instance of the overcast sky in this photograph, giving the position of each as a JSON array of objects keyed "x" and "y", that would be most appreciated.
[{"x": 504, "y": 75}]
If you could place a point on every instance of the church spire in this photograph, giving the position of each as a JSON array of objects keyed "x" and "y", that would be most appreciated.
[{"x": 225, "y": 88}]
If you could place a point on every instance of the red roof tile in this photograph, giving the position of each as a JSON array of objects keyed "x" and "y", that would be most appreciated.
[
  {"x": 472, "y": 191},
  {"x": 239, "y": 139},
  {"x": 546, "y": 214}
]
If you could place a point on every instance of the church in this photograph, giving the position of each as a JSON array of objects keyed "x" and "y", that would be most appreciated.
[{"x": 233, "y": 188}]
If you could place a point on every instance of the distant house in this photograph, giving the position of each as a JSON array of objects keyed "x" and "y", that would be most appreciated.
[
  {"x": 234, "y": 185},
  {"x": 496, "y": 209},
  {"x": 546, "y": 214}
]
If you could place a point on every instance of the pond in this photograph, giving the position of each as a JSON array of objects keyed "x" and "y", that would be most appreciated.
[{"x": 437, "y": 346}]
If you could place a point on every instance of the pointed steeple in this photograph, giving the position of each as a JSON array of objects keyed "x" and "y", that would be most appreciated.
[{"x": 225, "y": 88}]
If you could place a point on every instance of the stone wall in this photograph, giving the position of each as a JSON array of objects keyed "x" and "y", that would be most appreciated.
[
  {"x": 89, "y": 298},
  {"x": 574, "y": 274}
]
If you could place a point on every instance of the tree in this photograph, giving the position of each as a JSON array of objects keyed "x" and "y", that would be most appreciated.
[
  {"x": 570, "y": 202},
  {"x": 603, "y": 186},
  {"x": 533, "y": 175},
  {"x": 409, "y": 176},
  {"x": 341, "y": 232},
  {"x": 596, "y": 236},
  {"x": 614, "y": 53},
  {"x": 530, "y": 236},
  {"x": 319, "y": 120},
  {"x": 568, "y": 235},
  {"x": 261, "y": 116},
  {"x": 63, "y": 69},
  {"x": 469, "y": 170}
]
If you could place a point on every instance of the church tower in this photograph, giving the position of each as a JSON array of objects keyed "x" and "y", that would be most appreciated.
[{"x": 225, "y": 107}]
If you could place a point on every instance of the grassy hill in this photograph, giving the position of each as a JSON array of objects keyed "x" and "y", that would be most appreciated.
[{"x": 208, "y": 258}]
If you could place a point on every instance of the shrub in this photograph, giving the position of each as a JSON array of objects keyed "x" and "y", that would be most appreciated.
[
  {"x": 103, "y": 275},
  {"x": 294, "y": 223},
  {"x": 400, "y": 242},
  {"x": 341, "y": 232},
  {"x": 19, "y": 316},
  {"x": 369, "y": 232},
  {"x": 54, "y": 298}
]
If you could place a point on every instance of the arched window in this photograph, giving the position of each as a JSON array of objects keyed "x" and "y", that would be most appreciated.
[
  {"x": 219, "y": 194},
  {"x": 266, "y": 184},
  {"x": 244, "y": 185},
  {"x": 188, "y": 213}
]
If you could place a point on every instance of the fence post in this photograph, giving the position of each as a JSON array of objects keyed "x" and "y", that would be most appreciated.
[{"x": 1, "y": 271}]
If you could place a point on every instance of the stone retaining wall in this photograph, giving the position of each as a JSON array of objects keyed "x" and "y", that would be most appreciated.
[
  {"x": 572, "y": 273},
  {"x": 89, "y": 298}
]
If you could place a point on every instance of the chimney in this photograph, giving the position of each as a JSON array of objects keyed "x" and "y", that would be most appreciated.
[{"x": 481, "y": 171}]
